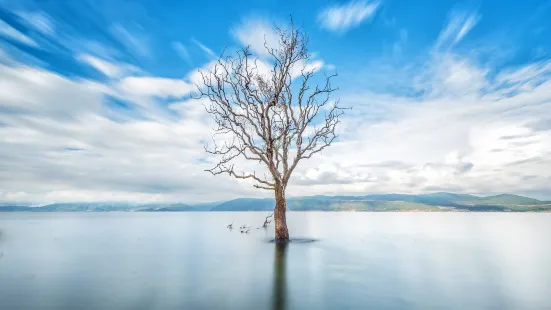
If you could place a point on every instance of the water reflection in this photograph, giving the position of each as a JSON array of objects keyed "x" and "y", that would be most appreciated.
[
  {"x": 279, "y": 300},
  {"x": 1, "y": 240},
  {"x": 191, "y": 261},
  {"x": 1, "y": 237}
]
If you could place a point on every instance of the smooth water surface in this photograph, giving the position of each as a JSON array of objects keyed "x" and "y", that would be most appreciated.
[{"x": 192, "y": 261}]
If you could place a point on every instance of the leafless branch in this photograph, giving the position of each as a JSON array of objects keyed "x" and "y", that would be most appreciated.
[{"x": 269, "y": 111}]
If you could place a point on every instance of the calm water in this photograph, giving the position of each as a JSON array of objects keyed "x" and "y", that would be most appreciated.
[{"x": 191, "y": 261}]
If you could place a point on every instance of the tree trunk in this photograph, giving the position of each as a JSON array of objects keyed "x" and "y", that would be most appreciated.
[{"x": 281, "y": 232}]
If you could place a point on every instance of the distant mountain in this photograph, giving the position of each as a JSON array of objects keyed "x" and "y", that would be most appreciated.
[
  {"x": 511, "y": 200},
  {"x": 10, "y": 208},
  {"x": 394, "y": 202},
  {"x": 206, "y": 206},
  {"x": 100, "y": 207},
  {"x": 246, "y": 204},
  {"x": 177, "y": 207},
  {"x": 440, "y": 202}
]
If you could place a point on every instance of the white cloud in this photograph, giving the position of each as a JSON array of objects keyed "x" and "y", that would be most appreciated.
[
  {"x": 450, "y": 138},
  {"x": 341, "y": 18},
  {"x": 16, "y": 96},
  {"x": 469, "y": 142},
  {"x": 464, "y": 130},
  {"x": 182, "y": 51},
  {"x": 12, "y": 33},
  {"x": 39, "y": 21},
  {"x": 525, "y": 77},
  {"x": 109, "y": 69},
  {"x": 313, "y": 66},
  {"x": 460, "y": 23},
  {"x": 155, "y": 86},
  {"x": 58, "y": 143},
  {"x": 195, "y": 77},
  {"x": 134, "y": 42},
  {"x": 458, "y": 138},
  {"x": 256, "y": 33},
  {"x": 398, "y": 46},
  {"x": 3, "y": 55},
  {"x": 204, "y": 48},
  {"x": 450, "y": 75}
]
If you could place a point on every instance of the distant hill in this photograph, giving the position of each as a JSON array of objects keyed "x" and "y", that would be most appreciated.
[
  {"x": 246, "y": 204},
  {"x": 511, "y": 200},
  {"x": 177, "y": 207},
  {"x": 101, "y": 207},
  {"x": 434, "y": 202},
  {"x": 394, "y": 202},
  {"x": 206, "y": 206}
]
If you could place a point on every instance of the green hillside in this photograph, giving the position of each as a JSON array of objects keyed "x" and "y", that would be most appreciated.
[{"x": 507, "y": 199}]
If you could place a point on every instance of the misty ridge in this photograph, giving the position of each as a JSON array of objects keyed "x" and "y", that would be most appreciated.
[{"x": 433, "y": 202}]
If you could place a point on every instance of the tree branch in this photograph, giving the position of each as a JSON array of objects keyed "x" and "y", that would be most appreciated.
[{"x": 269, "y": 114}]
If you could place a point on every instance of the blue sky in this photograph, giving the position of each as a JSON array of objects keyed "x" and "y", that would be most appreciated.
[{"x": 446, "y": 96}]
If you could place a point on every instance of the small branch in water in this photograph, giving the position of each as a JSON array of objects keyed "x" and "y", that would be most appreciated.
[{"x": 266, "y": 222}]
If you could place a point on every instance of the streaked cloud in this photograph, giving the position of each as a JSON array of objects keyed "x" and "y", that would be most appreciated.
[
  {"x": 182, "y": 51},
  {"x": 259, "y": 34},
  {"x": 452, "y": 120},
  {"x": 203, "y": 47},
  {"x": 134, "y": 42},
  {"x": 460, "y": 23},
  {"x": 155, "y": 86},
  {"x": 109, "y": 69},
  {"x": 341, "y": 18},
  {"x": 38, "y": 21},
  {"x": 9, "y": 32}
]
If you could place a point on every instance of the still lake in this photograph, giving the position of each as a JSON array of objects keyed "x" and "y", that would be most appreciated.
[{"x": 357, "y": 261}]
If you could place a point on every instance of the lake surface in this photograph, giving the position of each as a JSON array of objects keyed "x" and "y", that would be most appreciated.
[{"x": 192, "y": 261}]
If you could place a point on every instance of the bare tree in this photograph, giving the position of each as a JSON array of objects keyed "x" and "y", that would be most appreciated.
[{"x": 269, "y": 113}]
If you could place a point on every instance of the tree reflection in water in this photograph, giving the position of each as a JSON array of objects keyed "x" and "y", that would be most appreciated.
[{"x": 279, "y": 301}]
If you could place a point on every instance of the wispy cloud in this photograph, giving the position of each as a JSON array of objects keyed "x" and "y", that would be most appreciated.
[
  {"x": 341, "y": 18},
  {"x": 257, "y": 33},
  {"x": 398, "y": 46},
  {"x": 182, "y": 52},
  {"x": 204, "y": 48},
  {"x": 39, "y": 21},
  {"x": 155, "y": 86},
  {"x": 525, "y": 77},
  {"x": 460, "y": 23},
  {"x": 135, "y": 43},
  {"x": 55, "y": 114},
  {"x": 454, "y": 124},
  {"x": 451, "y": 75},
  {"x": 468, "y": 125},
  {"x": 12, "y": 33},
  {"x": 109, "y": 69}
]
